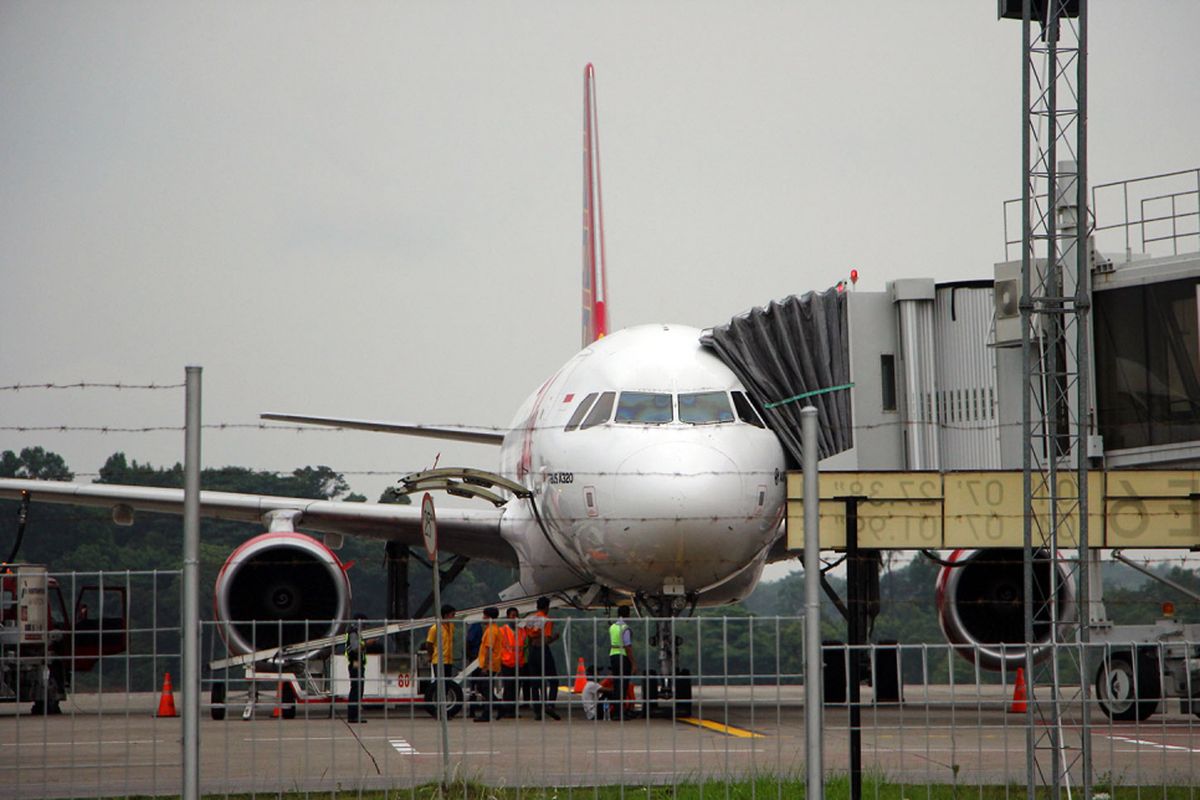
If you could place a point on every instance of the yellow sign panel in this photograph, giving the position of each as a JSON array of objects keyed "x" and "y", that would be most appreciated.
[
  {"x": 984, "y": 509},
  {"x": 1153, "y": 508},
  {"x": 832, "y": 526},
  {"x": 914, "y": 510},
  {"x": 897, "y": 510},
  {"x": 987, "y": 509}
]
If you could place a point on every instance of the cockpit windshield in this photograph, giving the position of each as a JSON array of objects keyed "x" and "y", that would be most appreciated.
[
  {"x": 583, "y": 408},
  {"x": 600, "y": 412},
  {"x": 644, "y": 408},
  {"x": 705, "y": 408},
  {"x": 714, "y": 407}
]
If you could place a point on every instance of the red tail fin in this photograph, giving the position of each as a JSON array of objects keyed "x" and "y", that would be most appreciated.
[{"x": 595, "y": 282}]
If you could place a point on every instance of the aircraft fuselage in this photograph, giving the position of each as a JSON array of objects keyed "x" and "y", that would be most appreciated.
[{"x": 653, "y": 474}]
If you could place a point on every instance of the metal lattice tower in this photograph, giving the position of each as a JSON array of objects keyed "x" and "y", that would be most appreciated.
[{"x": 1055, "y": 300}]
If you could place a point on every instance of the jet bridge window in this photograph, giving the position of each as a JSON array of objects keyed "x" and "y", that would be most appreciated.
[
  {"x": 644, "y": 408},
  {"x": 582, "y": 409},
  {"x": 600, "y": 412},
  {"x": 705, "y": 408},
  {"x": 1148, "y": 364},
  {"x": 746, "y": 410}
]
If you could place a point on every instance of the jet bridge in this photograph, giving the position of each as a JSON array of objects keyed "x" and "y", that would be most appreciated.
[{"x": 789, "y": 354}]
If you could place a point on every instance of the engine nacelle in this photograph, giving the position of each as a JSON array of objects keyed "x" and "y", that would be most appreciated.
[
  {"x": 280, "y": 588},
  {"x": 980, "y": 603}
]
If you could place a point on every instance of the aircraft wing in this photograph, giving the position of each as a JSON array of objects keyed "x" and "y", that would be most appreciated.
[
  {"x": 464, "y": 531},
  {"x": 457, "y": 433}
]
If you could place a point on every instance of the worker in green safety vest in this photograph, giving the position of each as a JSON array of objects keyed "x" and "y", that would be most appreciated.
[
  {"x": 356, "y": 660},
  {"x": 620, "y": 657}
]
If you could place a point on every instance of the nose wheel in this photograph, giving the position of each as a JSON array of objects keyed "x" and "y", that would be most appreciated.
[{"x": 669, "y": 688}]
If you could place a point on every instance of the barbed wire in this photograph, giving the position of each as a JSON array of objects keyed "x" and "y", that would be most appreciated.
[
  {"x": 287, "y": 473},
  {"x": 219, "y": 426},
  {"x": 20, "y": 387},
  {"x": 994, "y": 427},
  {"x": 574, "y": 476}
]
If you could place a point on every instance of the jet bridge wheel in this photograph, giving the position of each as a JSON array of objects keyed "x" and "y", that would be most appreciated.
[
  {"x": 454, "y": 699},
  {"x": 1127, "y": 692}
]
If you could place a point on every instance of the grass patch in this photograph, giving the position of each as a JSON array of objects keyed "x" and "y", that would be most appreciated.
[{"x": 836, "y": 788}]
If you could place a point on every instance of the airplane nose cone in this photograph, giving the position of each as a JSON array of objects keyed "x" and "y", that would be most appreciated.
[
  {"x": 686, "y": 512},
  {"x": 679, "y": 481}
]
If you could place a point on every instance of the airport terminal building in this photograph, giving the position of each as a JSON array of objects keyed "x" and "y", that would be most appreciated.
[{"x": 929, "y": 376}]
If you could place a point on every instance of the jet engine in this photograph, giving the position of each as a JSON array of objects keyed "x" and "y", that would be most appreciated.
[
  {"x": 980, "y": 601},
  {"x": 280, "y": 588}
]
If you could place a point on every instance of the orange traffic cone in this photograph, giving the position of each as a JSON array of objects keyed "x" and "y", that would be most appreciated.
[
  {"x": 580, "y": 678},
  {"x": 166, "y": 704},
  {"x": 1019, "y": 704}
]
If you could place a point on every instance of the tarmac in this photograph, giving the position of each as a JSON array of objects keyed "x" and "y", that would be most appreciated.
[{"x": 113, "y": 744}]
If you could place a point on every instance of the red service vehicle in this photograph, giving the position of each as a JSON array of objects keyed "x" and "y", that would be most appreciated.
[{"x": 42, "y": 647}]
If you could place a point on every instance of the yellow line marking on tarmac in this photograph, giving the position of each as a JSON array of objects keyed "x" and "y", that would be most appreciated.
[{"x": 728, "y": 730}]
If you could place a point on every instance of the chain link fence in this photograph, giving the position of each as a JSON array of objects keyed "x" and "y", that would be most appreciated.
[{"x": 731, "y": 710}]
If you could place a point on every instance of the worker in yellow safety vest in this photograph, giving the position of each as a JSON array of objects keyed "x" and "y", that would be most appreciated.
[
  {"x": 441, "y": 655},
  {"x": 443, "y": 660},
  {"x": 620, "y": 657}
]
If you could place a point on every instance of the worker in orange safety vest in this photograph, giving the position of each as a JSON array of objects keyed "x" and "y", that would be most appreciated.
[
  {"x": 512, "y": 659},
  {"x": 490, "y": 664},
  {"x": 543, "y": 672}
]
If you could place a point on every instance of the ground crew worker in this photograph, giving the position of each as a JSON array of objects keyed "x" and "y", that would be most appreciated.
[
  {"x": 543, "y": 671},
  {"x": 512, "y": 659},
  {"x": 356, "y": 660},
  {"x": 620, "y": 656},
  {"x": 490, "y": 665},
  {"x": 443, "y": 660}
]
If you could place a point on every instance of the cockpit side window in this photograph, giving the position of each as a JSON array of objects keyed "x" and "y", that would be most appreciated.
[
  {"x": 644, "y": 408},
  {"x": 580, "y": 410},
  {"x": 746, "y": 411},
  {"x": 705, "y": 408},
  {"x": 600, "y": 412}
]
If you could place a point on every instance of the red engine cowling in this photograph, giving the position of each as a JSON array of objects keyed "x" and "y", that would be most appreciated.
[
  {"x": 980, "y": 601},
  {"x": 280, "y": 588}
]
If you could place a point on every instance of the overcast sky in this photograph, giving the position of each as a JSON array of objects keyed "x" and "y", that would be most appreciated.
[{"x": 373, "y": 209}]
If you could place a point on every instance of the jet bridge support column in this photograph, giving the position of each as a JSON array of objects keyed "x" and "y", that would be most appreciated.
[
  {"x": 915, "y": 301},
  {"x": 858, "y": 567}
]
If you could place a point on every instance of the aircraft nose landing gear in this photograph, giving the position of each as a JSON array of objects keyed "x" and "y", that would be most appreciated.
[{"x": 668, "y": 690}]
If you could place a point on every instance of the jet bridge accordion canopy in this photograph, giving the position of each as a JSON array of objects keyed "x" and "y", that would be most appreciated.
[{"x": 792, "y": 353}]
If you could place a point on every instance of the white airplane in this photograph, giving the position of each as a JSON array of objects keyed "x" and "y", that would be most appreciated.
[{"x": 640, "y": 466}]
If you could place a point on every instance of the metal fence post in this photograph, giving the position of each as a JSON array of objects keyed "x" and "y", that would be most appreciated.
[
  {"x": 813, "y": 695},
  {"x": 191, "y": 587}
]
